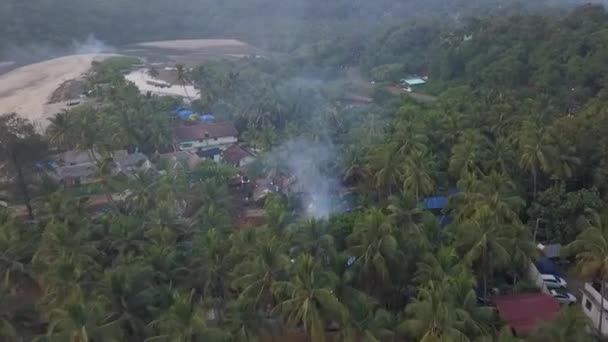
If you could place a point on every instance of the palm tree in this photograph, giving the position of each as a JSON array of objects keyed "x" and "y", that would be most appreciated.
[
  {"x": 184, "y": 321},
  {"x": 60, "y": 130},
  {"x": 211, "y": 272},
  {"x": 245, "y": 323},
  {"x": 591, "y": 249},
  {"x": 433, "y": 316},
  {"x": 307, "y": 298},
  {"x": 313, "y": 237},
  {"x": 492, "y": 196},
  {"x": 368, "y": 321},
  {"x": 534, "y": 155},
  {"x": 571, "y": 324},
  {"x": 265, "y": 264},
  {"x": 468, "y": 154},
  {"x": 374, "y": 246},
  {"x": 443, "y": 264},
  {"x": 182, "y": 77},
  {"x": 385, "y": 162},
  {"x": 77, "y": 321},
  {"x": 417, "y": 174},
  {"x": 20, "y": 146},
  {"x": 484, "y": 247}
]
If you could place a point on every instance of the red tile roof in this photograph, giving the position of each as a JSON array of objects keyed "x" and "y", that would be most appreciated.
[
  {"x": 523, "y": 312},
  {"x": 234, "y": 154},
  {"x": 206, "y": 131}
]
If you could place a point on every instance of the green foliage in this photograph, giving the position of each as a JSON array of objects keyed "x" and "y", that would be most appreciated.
[{"x": 559, "y": 210}]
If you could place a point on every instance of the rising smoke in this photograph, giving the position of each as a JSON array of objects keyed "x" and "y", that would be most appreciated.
[
  {"x": 311, "y": 163},
  {"x": 32, "y": 53}
]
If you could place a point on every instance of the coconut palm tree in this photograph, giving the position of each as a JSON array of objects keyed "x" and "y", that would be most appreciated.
[
  {"x": 307, "y": 298},
  {"x": 182, "y": 77},
  {"x": 434, "y": 316},
  {"x": 483, "y": 246},
  {"x": 386, "y": 165},
  {"x": 535, "y": 155},
  {"x": 590, "y": 249},
  {"x": 375, "y": 248},
  {"x": 468, "y": 154},
  {"x": 60, "y": 131},
  {"x": 417, "y": 174},
  {"x": 265, "y": 263},
  {"x": 77, "y": 321},
  {"x": 184, "y": 321},
  {"x": 313, "y": 237},
  {"x": 443, "y": 264}
]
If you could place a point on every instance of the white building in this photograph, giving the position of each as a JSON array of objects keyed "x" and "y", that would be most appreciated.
[
  {"x": 206, "y": 136},
  {"x": 592, "y": 302}
]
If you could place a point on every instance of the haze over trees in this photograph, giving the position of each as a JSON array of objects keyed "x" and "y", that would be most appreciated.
[{"x": 518, "y": 126}]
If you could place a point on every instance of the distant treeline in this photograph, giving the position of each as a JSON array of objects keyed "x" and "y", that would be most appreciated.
[{"x": 280, "y": 25}]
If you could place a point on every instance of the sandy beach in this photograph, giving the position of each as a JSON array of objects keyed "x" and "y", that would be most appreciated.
[
  {"x": 26, "y": 90},
  {"x": 193, "y": 44}
]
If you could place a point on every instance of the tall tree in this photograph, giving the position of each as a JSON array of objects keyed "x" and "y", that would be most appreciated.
[
  {"x": 307, "y": 298},
  {"x": 20, "y": 146}
]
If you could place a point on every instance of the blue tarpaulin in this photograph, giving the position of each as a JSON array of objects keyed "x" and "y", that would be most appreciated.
[
  {"x": 207, "y": 118},
  {"x": 185, "y": 114},
  {"x": 546, "y": 266},
  {"x": 438, "y": 202}
]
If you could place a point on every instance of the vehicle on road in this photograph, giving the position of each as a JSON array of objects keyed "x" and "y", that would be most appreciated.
[
  {"x": 563, "y": 297},
  {"x": 553, "y": 281}
]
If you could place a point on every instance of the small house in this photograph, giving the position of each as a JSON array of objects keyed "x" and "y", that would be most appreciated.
[
  {"x": 206, "y": 136},
  {"x": 238, "y": 156}
]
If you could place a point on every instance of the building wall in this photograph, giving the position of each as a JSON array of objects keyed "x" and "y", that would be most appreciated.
[
  {"x": 591, "y": 307},
  {"x": 207, "y": 143}
]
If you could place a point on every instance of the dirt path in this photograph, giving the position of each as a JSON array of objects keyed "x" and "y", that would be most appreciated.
[
  {"x": 354, "y": 75},
  {"x": 26, "y": 90}
]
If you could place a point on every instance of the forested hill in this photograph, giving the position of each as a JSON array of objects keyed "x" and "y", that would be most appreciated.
[
  {"x": 280, "y": 24},
  {"x": 558, "y": 59}
]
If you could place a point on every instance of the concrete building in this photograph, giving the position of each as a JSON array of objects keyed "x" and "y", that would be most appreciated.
[
  {"x": 592, "y": 302},
  {"x": 206, "y": 136}
]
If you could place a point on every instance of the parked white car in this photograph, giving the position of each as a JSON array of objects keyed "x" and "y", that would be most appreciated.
[
  {"x": 566, "y": 298},
  {"x": 553, "y": 282}
]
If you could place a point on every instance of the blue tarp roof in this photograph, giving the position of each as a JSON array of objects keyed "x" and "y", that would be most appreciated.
[
  {"x": 207, "y": 118},
  {"x": 184, "y": 114},
  {"x": 438, "y": 202},
  {"x": 546, "y": 266}
]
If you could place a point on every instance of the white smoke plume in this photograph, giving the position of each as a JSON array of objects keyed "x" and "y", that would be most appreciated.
[{"x": 311, "y": 163}]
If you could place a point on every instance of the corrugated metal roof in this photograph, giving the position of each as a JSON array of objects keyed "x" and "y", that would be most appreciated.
[
  {"x": 413, "y": 81},
  {"x": 206, "y": 131},
  {"x": 523, "y": 312}
]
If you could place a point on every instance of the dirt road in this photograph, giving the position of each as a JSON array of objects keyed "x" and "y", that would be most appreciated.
[
  {"x": 26, "y": 90},
  {"x": 354, "y": 75}
]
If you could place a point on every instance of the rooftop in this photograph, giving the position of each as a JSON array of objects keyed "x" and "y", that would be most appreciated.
[
  {"x": 413, "y": 81},
  {"x": 524, "y": 312},
  {"x": 206, "y": 131},
  {"x": 235, "y": 154}
]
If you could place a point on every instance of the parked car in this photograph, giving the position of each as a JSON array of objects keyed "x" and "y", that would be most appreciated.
[
  {"x": 553, "y": 281},
  {"x": 564, "y": 297}
]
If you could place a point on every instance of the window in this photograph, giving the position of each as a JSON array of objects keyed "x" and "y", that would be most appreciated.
[{"x": 588, "y": 304}]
